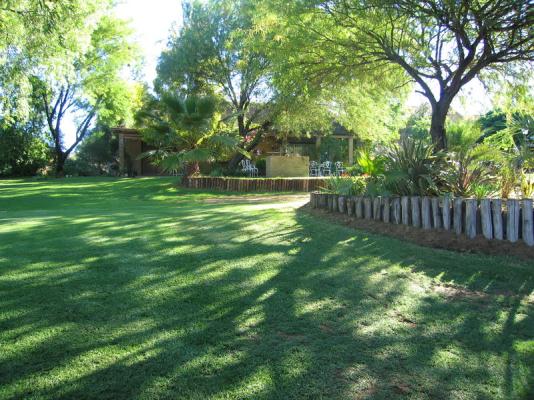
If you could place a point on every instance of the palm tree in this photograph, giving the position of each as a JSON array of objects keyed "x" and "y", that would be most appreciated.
[{"x": 185, "y": 132}]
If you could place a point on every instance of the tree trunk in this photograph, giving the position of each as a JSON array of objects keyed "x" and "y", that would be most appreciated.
[
  {"x": 192, "y": 168},
  {"x": 437, "y": 124},
  {"x": 234, "y": 161},
  {"x": 60, "y": 164}
]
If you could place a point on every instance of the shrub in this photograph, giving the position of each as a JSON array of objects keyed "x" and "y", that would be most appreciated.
[
  {"x": 22, "y": 151},
  {"x": 527, "y": 186},
  {"x": 466, "y": 172},
  {"x": 80, "y": 167},
  {"x": 481, "y": 191},
  {"x": 370, "y": 164},
  {"x": 346, "y": 185},
  {"x": 412, "y": 168}
]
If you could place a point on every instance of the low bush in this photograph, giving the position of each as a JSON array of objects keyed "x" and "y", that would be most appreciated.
[
  {"x": 413, "y": 168},
  {"x": 346, "y": 185}
]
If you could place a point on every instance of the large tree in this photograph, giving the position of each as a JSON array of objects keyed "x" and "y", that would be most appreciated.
[
  {"x": 210, "y": 55},
  {"x": 38, "y": 33},
  {"x": 440, "y": 44},
  {"x": 92, "y": 87}
]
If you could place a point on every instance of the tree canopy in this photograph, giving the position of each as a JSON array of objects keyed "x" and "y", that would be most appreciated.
[
  {"x": 210, "y": 56},
  {"x": 440, "y": 45},
  {"x": 39, "y": 34},
  {"x": 91, "y": 88}
]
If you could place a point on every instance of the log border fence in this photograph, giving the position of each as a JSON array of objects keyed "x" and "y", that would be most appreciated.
[
  {"x": 494, "y": 219},
  {"x": 254, "y": 184}
]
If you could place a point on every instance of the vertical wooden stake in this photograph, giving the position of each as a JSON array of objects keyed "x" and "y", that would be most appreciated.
[
  {"x": 528, "y": 226},
  {"x": 485, "y": 217},
  {"x": 457, "y": 215},
  {"x": 386, "y": 210},
  {"x": 446, "y": 212},
  {"x": 342, "y": 208},
  {"x": 396, "y": 205},
  {"x": 377, "y": 201},
  {"x": 436, "y": 215},
  {"x": 368, "y": 208},
  {"x": 416, "y": 211},
  {"x": 405, "y": 210},
  {"x": 512, "y": 220},
  {"x": 496, "y": 214},
  {"x": 350, "y": 206},
  {"x": 471, "y": 218},
  {"x": 426, "y": 216},
  {"x": 358, "y": 210}
]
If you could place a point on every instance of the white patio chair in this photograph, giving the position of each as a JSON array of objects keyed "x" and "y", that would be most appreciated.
[
  {"x": 340, "y": 169},
  {"x": 249, "y": 168},
  {"x": 314, "y": 168},
  {"x": 326, "y": 168}
]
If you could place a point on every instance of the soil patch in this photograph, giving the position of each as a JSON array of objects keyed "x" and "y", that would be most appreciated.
[{"x": 439, "y": 239}]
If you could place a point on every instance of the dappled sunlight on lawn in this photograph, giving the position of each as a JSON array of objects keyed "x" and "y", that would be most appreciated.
[{"x": 152, "y": 293}]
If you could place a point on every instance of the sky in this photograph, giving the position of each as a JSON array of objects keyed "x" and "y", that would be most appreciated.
[{"x": 153, "y": 20}]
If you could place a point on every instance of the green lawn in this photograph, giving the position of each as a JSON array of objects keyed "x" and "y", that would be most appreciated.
[{"x": 127, "y": 289}]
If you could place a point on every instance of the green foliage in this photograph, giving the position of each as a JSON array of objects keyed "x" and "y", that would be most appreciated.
[
  {"x": 369, "y": 163},
  {"x": 412, "y": 168},
  {"x": 39, "y": 36},
  {"x": 527, "y": 185},
  {"x": 92, "y": 88},
  {"x": 316, "y": 87},
  {"x": 184, "y": 132},
  {"x": 517, "y": 133},
  {"x": 483, "y": 190},
  {"x": 418, "y": 124},
  {"x": 463, "y": 134},
  {"x": 345, "y": 185},
  {"x": 98, "y": 153},
  {"x": 22, "y": 151},
  {"x": 466, "y": 174},
  {"x": 432, "y": 43},
  {"x": 210, "y": 56}
]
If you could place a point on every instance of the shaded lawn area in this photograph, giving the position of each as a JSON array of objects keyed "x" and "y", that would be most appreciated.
[{"x": 127, "y": 289}]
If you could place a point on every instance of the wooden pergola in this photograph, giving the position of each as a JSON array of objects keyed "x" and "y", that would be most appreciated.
[{"x": 340, "y": 132}]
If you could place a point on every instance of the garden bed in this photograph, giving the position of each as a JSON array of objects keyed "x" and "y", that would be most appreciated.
[
  {"x": 439, "y": 239},
  {"x": 469, "y": 226}
]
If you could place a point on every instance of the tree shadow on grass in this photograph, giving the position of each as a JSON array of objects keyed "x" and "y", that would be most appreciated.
[{"x": 203, "y": 301}]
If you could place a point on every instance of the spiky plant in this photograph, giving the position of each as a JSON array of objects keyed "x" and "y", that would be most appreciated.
[{"x": 413, "y": 168}]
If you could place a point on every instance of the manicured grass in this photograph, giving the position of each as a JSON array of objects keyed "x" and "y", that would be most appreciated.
[{"x": 126, "y": 289}]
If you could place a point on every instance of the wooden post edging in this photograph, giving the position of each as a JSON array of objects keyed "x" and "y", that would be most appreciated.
[
  {"x": 368, "y": 210},
  {"x": 485, "y": 218},
  {"x": 396, "y": 205},
  {"x": 469, "y": 216},
  {"x": 358, "y": 207},
  {"x": 496, "y": 216},
  {"x": 446, "y": 213},
  {"x": 527, "y": 219},
  {"x": 385, "y": 210},
  {"x": 512, "y": 220},
  {"x": 342, "y": 205},
  {"x": 416, "y": 211},
  {"x": 457, "y": 215},
  {"x": 405, "y": 210},
  {"x": 377, "y": 201},
  {"x": 426, "y": 217},
  {"x": 350, "y": 206}
]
